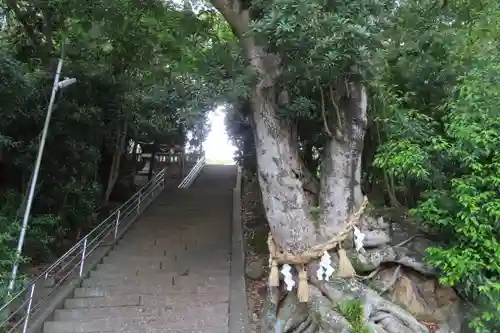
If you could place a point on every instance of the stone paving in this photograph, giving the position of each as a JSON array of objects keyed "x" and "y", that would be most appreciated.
[{"x": 170, "y": 271}]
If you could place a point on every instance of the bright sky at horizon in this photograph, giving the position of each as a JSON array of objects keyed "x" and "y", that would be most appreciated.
[{"x": 217, "y": 145}]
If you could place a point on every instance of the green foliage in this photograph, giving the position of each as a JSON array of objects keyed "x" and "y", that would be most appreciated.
[
  {"x": 451, "y": 153},
  {"x": 138, "y": 69},
  {"x": 345, "y": 35},
  {"x": 432, "y": 71},
  {"x": 353, "y": 312},
  {"x": 44, "y": 229}
]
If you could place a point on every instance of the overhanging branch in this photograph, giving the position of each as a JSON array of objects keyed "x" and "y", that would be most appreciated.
[{"x": 238, "y": 18}]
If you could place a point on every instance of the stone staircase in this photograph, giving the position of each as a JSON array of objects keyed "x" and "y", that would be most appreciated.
[{"x": 169, "y": 272}]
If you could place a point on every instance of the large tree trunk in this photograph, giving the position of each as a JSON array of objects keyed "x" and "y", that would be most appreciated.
[
  {"x": 280, "y": 177},
  {"x": 283, "y": 181},
  {"x": 341, "y": 163}
]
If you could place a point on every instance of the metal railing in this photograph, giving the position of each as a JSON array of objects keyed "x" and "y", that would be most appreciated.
[
  {"x": 20, "y": 307},
  {"x": 17, "y": 311},
  {"x": 188, "y": 180}
]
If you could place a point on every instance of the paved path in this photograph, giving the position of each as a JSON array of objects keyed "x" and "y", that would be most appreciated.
[{"x": 170, "y": 271}]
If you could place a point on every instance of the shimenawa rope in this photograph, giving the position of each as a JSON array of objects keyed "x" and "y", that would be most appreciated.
[{"x": 279, "y": 256}]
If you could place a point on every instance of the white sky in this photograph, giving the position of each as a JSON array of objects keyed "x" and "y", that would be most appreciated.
[{"x": 217, "y": 145}]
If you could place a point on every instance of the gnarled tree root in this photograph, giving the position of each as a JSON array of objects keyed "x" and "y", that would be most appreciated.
[
  {"x": 284, "y": 314},
  {"x": 287, "y": 315},
  {"x": 371, "y": 259}
]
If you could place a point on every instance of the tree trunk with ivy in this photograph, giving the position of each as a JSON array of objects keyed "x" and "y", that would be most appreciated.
[{"x": 302, "y": 213}]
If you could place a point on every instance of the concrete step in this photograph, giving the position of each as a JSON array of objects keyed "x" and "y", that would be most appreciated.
[
  {"x": 160, "y": 290},
  {"x": 178, "y": 261},
  {"x": 100, "y": 274},
  {"x": 129, "y": 267},
  {"x": 171, "y": 221},
  {"x": 209, "y": 250},
  {"x": 123, "y": 312},
  {"x": 160, "y": 236},
  {"x": 138, "y": 261},
  {"x": 159, "y": 273},
  {"x": 148, "y": 240},
  {"x": 157, "y": 239},
  {"x": 115, "y": 280},
  {"x": 168, "y": 222},
  {"x": 179, "y": 249},
  {"x": 173, "y": 229},
  {"x": 177, "y": 300},
  {"x": 140, "y": 250},
  {"x": 140, "y": 245},
  {"x": 163, "y": 224},
  {"x": 178, "y": 320},
  {"x": 158, "y": 249},
  {"x": 100, "y": 302},
  {"x": 153, "y": 268},
  {"x": 139, "y": 257},
  {"x": 161, "y": 239},
  {"x": 168, "y": 256},
  {"x": 167, "y": 280},
  {"x": 219, "y": 329},
  {"x": 87, "y": 292},
  {"x": 176, "y": 226},
  {"x": 180, "y": 268},
  {"x": 180, "y": 244},
  {"x": 163, "y": 213}
]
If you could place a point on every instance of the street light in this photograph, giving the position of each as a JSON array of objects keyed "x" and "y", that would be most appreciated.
[
  {"x": 55, "y": 87},
  {"x": 66, "y": 82}
]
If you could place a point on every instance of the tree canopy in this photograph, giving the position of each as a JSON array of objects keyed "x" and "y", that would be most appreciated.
[{"x": 137, "y": 69}]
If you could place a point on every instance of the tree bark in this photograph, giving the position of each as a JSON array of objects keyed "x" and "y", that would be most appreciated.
[
  {"x": 341, "y": 163},
  {"x": 281, "y": 172},
  {"x": 114, "y": 172}
]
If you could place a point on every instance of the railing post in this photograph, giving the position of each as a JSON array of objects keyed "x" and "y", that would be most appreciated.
[
  {"x": 164, "y": 177},
  {"x": 117, "y": 223},
  {"x": 183, "y": 164},
  {"x": 139, "y": 201},
  {"x": 28, "y": 310},
  {"x": 154, "y": 189},
  {"x": 84, "y": 251}
]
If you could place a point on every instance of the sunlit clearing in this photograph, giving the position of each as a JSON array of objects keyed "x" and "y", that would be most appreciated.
[{"x": 218, "y": 147}]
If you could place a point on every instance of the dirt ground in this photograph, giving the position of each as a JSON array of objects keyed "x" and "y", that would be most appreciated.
[{"x": 255, "y": 230}]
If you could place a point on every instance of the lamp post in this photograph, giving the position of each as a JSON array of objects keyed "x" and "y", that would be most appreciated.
[{"x": 55, "y": 87}]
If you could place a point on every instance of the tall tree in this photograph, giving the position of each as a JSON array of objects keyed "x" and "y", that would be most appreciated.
[
  {"x": 311, "y": 60},
  {"x": 121, "y": 95}
]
